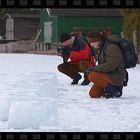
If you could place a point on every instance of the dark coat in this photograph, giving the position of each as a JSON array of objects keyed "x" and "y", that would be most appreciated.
[{"x": 111, "y": 62}]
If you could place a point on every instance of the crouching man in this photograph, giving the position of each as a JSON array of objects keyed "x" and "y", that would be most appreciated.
[
  {"x": 81, "y": 59},
  {"x": 108, "y": 75}
]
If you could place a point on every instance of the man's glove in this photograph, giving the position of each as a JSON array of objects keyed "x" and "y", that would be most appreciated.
[
  {"x": 88, "y": 70},
  {"x": 64, "y": 52}
]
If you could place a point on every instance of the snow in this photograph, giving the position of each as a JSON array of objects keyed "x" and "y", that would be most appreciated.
[{"x": 24, "y": 80}]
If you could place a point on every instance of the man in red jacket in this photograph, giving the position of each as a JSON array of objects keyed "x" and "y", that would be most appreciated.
[{"x": 80, "y": 56}]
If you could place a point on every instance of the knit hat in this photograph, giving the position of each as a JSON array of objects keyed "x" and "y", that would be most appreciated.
[
  {"x": 94, "y": 36},
  {"x": 64, "y": 36}
]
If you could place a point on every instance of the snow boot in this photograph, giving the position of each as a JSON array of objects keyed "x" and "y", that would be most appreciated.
[
  {"x": 76, "y": 79},
  {"x": 120, "y": 88},
  {"x": 85, "y": 82},
  {"x": 111, "y": 91}
]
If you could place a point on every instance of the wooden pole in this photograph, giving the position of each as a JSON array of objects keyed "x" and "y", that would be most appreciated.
[
  {"x": 122, "y": 34},
  {"x": 135, "y": 40}
]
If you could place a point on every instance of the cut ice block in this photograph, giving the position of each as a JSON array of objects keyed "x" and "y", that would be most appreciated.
[
  {"x": 33, "y": 113},
  {"x": 45, "y": 83},
  {"x": 5, "y": 103}
]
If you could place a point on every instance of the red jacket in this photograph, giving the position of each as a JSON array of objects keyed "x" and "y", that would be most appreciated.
[{"x": 81, "y": 51}]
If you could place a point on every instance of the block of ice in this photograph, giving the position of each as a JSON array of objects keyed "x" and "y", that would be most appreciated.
[
  {"x": 5, "y": 103},
  {"x": 45, "y": 83},
  {"x": 33, "y": 113}
]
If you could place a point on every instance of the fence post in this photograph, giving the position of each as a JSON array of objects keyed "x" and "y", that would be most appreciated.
[
  {"x": 122, "y": 34},
  {"x": 135, "y": 40},
  {"x": 44, "y": 46}
]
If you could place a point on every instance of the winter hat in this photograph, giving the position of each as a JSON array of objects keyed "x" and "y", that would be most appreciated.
[
  {"x": 94, "y": 36},
  {"x": 64, "y": 36}
]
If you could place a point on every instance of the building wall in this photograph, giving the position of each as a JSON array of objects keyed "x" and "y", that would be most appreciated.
[
  {"x": 67, "y": 24},
  {"x": 43, "y": 18},
  {"x": 25, "y": 28}
]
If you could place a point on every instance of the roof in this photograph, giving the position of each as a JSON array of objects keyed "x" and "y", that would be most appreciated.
[
  {"x": 21, "y": 15},
  {"x": 83, "y": 12},
  {"x": 22, "y": 10}
]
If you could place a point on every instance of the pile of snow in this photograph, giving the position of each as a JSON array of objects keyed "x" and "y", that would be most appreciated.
[{"x": 32, "y": 113}]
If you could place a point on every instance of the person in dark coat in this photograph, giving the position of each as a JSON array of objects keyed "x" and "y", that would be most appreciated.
[
  {"x": 80, "y": 58},
  {"x": 109, "y": 74}
]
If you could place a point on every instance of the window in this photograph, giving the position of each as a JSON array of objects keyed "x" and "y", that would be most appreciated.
[
  {"x": 23, "y": 2},
  {"x": 103, "y": 2},
  {"x": 116, "y": 2},
  {"x": 49, "y": 2},
  {"x": 129, "y": 2},
  {"x": 36, "y": 2},
  {"x": 62, "y": 2},
  {"x": 77, "y": 2},
  {"x": 10, "y": 2},
  {"x": 90, "y": 2}
]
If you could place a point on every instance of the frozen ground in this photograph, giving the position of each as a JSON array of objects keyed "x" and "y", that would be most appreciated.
[{"x": 75, "y": 110}]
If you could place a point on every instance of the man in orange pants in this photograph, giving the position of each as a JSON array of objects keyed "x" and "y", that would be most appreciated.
[{"x": 108, "y": 75}]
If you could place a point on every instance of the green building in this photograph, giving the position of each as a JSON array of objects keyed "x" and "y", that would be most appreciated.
[{"x": 55, "y": 21}]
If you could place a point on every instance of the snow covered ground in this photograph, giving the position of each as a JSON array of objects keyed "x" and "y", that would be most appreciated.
[{"x": 74, "y": 110}]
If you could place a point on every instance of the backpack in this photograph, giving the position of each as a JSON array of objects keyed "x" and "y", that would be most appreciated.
[
  {"x": 129, "y": 54},
  {"x": 91, "y": 48}
]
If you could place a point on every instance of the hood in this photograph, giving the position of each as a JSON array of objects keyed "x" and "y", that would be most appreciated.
[{"x": 114, "y": 38}]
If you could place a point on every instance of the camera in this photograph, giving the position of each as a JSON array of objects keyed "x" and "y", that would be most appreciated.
[{"x": 62, "y": 51}]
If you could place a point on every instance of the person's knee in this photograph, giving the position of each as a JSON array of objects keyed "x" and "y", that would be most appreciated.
[
  {"x": 94, "y": 95},
  {"x": 60, "y": 67},
  {"x": 91, "y": 76}
]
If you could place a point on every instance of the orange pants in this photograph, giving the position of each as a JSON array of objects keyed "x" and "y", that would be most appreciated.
[{"x": 100, "y": 80}]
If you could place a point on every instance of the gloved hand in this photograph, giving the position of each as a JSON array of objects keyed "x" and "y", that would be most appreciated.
[{"x": 88, "y": 70}]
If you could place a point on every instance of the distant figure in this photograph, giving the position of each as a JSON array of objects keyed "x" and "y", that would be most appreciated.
[{"x": 78, "y": 51}]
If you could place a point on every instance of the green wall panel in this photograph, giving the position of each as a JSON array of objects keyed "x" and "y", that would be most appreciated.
[{"x": 67, "y": 24}]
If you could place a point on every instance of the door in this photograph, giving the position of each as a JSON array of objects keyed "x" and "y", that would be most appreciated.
[
  {"x": 48, "y": 32},
  {"x": 9, "y": 29}
]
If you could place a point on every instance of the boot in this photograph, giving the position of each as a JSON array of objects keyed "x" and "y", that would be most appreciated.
[
  {"x": 120, "y": 88},
  {"x": 85, "y": 82},
  {"x": 76, "y": 79},
  {"x": 111, "y": 91}
]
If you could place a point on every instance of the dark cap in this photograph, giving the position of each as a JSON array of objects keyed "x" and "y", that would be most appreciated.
[
  {"x": 94, "y": 35},
  {"x": 64, "y": 37}
]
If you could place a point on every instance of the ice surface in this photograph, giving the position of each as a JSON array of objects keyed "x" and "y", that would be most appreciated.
[{"x": 33, "y": 113}]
